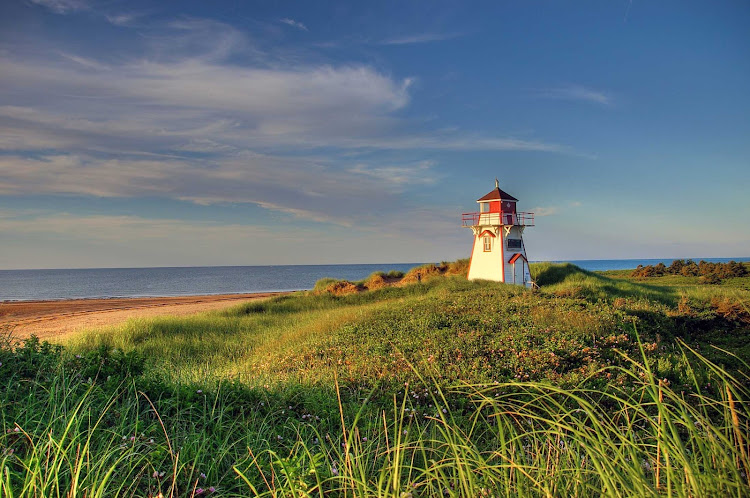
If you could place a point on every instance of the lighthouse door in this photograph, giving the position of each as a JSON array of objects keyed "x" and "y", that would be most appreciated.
[{"x": 518, "y": 271}]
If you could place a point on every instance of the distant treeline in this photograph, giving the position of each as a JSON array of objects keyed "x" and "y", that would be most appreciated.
[{"x": 709, "y": 272}]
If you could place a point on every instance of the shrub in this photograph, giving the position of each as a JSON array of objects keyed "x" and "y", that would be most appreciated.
[
  {"x": 342, "y": 288},
  {"x": 376, "y": 281},
  {"x": 423, "y": 273},
  {"x": 458, "y": 267},
  {"x": 710, "y": 279},
  {"x": 712, "y": 272},
  {"x": 322, "y": 284}
]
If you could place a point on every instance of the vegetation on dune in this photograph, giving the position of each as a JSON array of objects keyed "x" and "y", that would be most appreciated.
[
  {"x": 380, "y": 279},
  {"x": 709, "y": 273},
  {"x": 588, "y": 386}
]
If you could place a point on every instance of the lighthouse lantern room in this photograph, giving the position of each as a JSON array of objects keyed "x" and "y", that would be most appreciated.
[{"x": 499, "y": 253}]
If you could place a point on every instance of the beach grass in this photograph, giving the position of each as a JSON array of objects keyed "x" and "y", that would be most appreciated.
[{"x": 593, "y": 385}]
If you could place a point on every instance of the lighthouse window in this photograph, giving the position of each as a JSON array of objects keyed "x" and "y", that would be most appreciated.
[
  {"x": 514, "y": 243},
  {"x": 487, "y": 244}
]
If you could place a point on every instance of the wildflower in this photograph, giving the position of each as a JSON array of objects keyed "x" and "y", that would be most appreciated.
[
  {"x": 203, "y": 476},
  {"x": 151, "y": 441},
  {"x": 155, "y": 474},
  {"x": 199, "y": 391},
  {"x": 78, "y": 356},
  {"x": 212, "y": 489},
  {"x": 364, "y": 439},
  {"x": 334, "y": 470},
  {"x": 199, "y": 491},
  {"x": 445, "y": 410}
]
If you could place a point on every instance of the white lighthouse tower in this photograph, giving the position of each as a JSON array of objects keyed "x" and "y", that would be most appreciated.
[{"x": 499, "y": 253}]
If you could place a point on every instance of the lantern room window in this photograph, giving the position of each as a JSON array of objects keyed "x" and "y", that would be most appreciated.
[{"x": 487, "y": 243}]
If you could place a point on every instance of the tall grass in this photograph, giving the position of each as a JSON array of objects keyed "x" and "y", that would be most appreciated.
[
  {"x": 533, "y": 439},
  {"x": 510, "y": 439}
]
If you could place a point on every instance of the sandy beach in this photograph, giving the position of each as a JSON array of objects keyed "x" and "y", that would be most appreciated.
[{"x": 54, "y": 320}]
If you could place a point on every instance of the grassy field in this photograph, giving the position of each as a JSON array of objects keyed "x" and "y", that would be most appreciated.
[{"x": 595, "y": 384}]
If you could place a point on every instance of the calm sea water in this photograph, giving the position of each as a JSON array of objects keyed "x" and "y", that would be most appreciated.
[{"x": 24, "y": 285}]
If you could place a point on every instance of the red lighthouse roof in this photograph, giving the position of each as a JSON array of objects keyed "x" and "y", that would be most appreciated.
[{"x": 497, "y": 194}]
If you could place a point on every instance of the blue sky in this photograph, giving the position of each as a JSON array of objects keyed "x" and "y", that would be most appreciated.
[{"x": 240, "y": 133}]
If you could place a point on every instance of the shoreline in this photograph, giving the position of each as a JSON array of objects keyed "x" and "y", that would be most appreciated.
[
  {"x": 59, "y": 318},
  {"x": 227, "y": 295}
]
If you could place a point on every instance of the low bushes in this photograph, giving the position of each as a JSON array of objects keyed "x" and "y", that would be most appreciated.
[{"x": 710, "y": 273}]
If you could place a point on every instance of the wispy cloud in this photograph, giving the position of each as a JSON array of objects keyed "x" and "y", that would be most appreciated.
[
  {"x": 124, "y": 18},
  {"x": 63, "y": 6},
  {"x": 418, "y": 173},
  {"x": 301, "y": 187},
  {"x": 553, "y": 210},
  {"x": 294, "y": 24},
  {"x": 419, "y": 38},
  {"x": 545, "y": 210},
  {"x": 577, "y": 93},
  {"x": 179, "y": 118}
]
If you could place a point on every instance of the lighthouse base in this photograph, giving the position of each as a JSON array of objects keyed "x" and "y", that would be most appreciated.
[{"x": 498, "y": 255}]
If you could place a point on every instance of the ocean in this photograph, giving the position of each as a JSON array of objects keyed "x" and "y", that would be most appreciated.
[{"x": 27, "y": 285}]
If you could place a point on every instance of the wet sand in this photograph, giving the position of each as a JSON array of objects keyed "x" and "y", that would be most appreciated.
[{"x": 56, "y": 320}]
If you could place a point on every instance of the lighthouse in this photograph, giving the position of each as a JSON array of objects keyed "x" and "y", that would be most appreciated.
[{"x": 499, "y": 253}]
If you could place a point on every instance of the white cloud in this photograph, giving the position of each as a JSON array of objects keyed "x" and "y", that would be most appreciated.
[
  {"x": 414, "y": 174},
  {"x": 123, "y": 18},
  {"x": 183, "y": 119},
  {"x": 578, "y": 93},
  {"x": 63, "y": 6},
  {"x": 545, "y": 210},
  {"x": 118, "y": 228},
  {"x": 419, "y": 38},
  {"x": 298, "y": 186},
  {"x": 294, "y": 24}
]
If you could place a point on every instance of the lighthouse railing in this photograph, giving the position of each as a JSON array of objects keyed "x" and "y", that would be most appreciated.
[{"x": 520, "y": 219}]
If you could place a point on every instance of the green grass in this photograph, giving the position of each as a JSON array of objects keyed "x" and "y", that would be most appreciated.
[{"x": 593, "y": 385}]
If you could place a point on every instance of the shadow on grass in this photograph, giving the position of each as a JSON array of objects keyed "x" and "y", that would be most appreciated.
[{"x": 569, "y": 279}]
